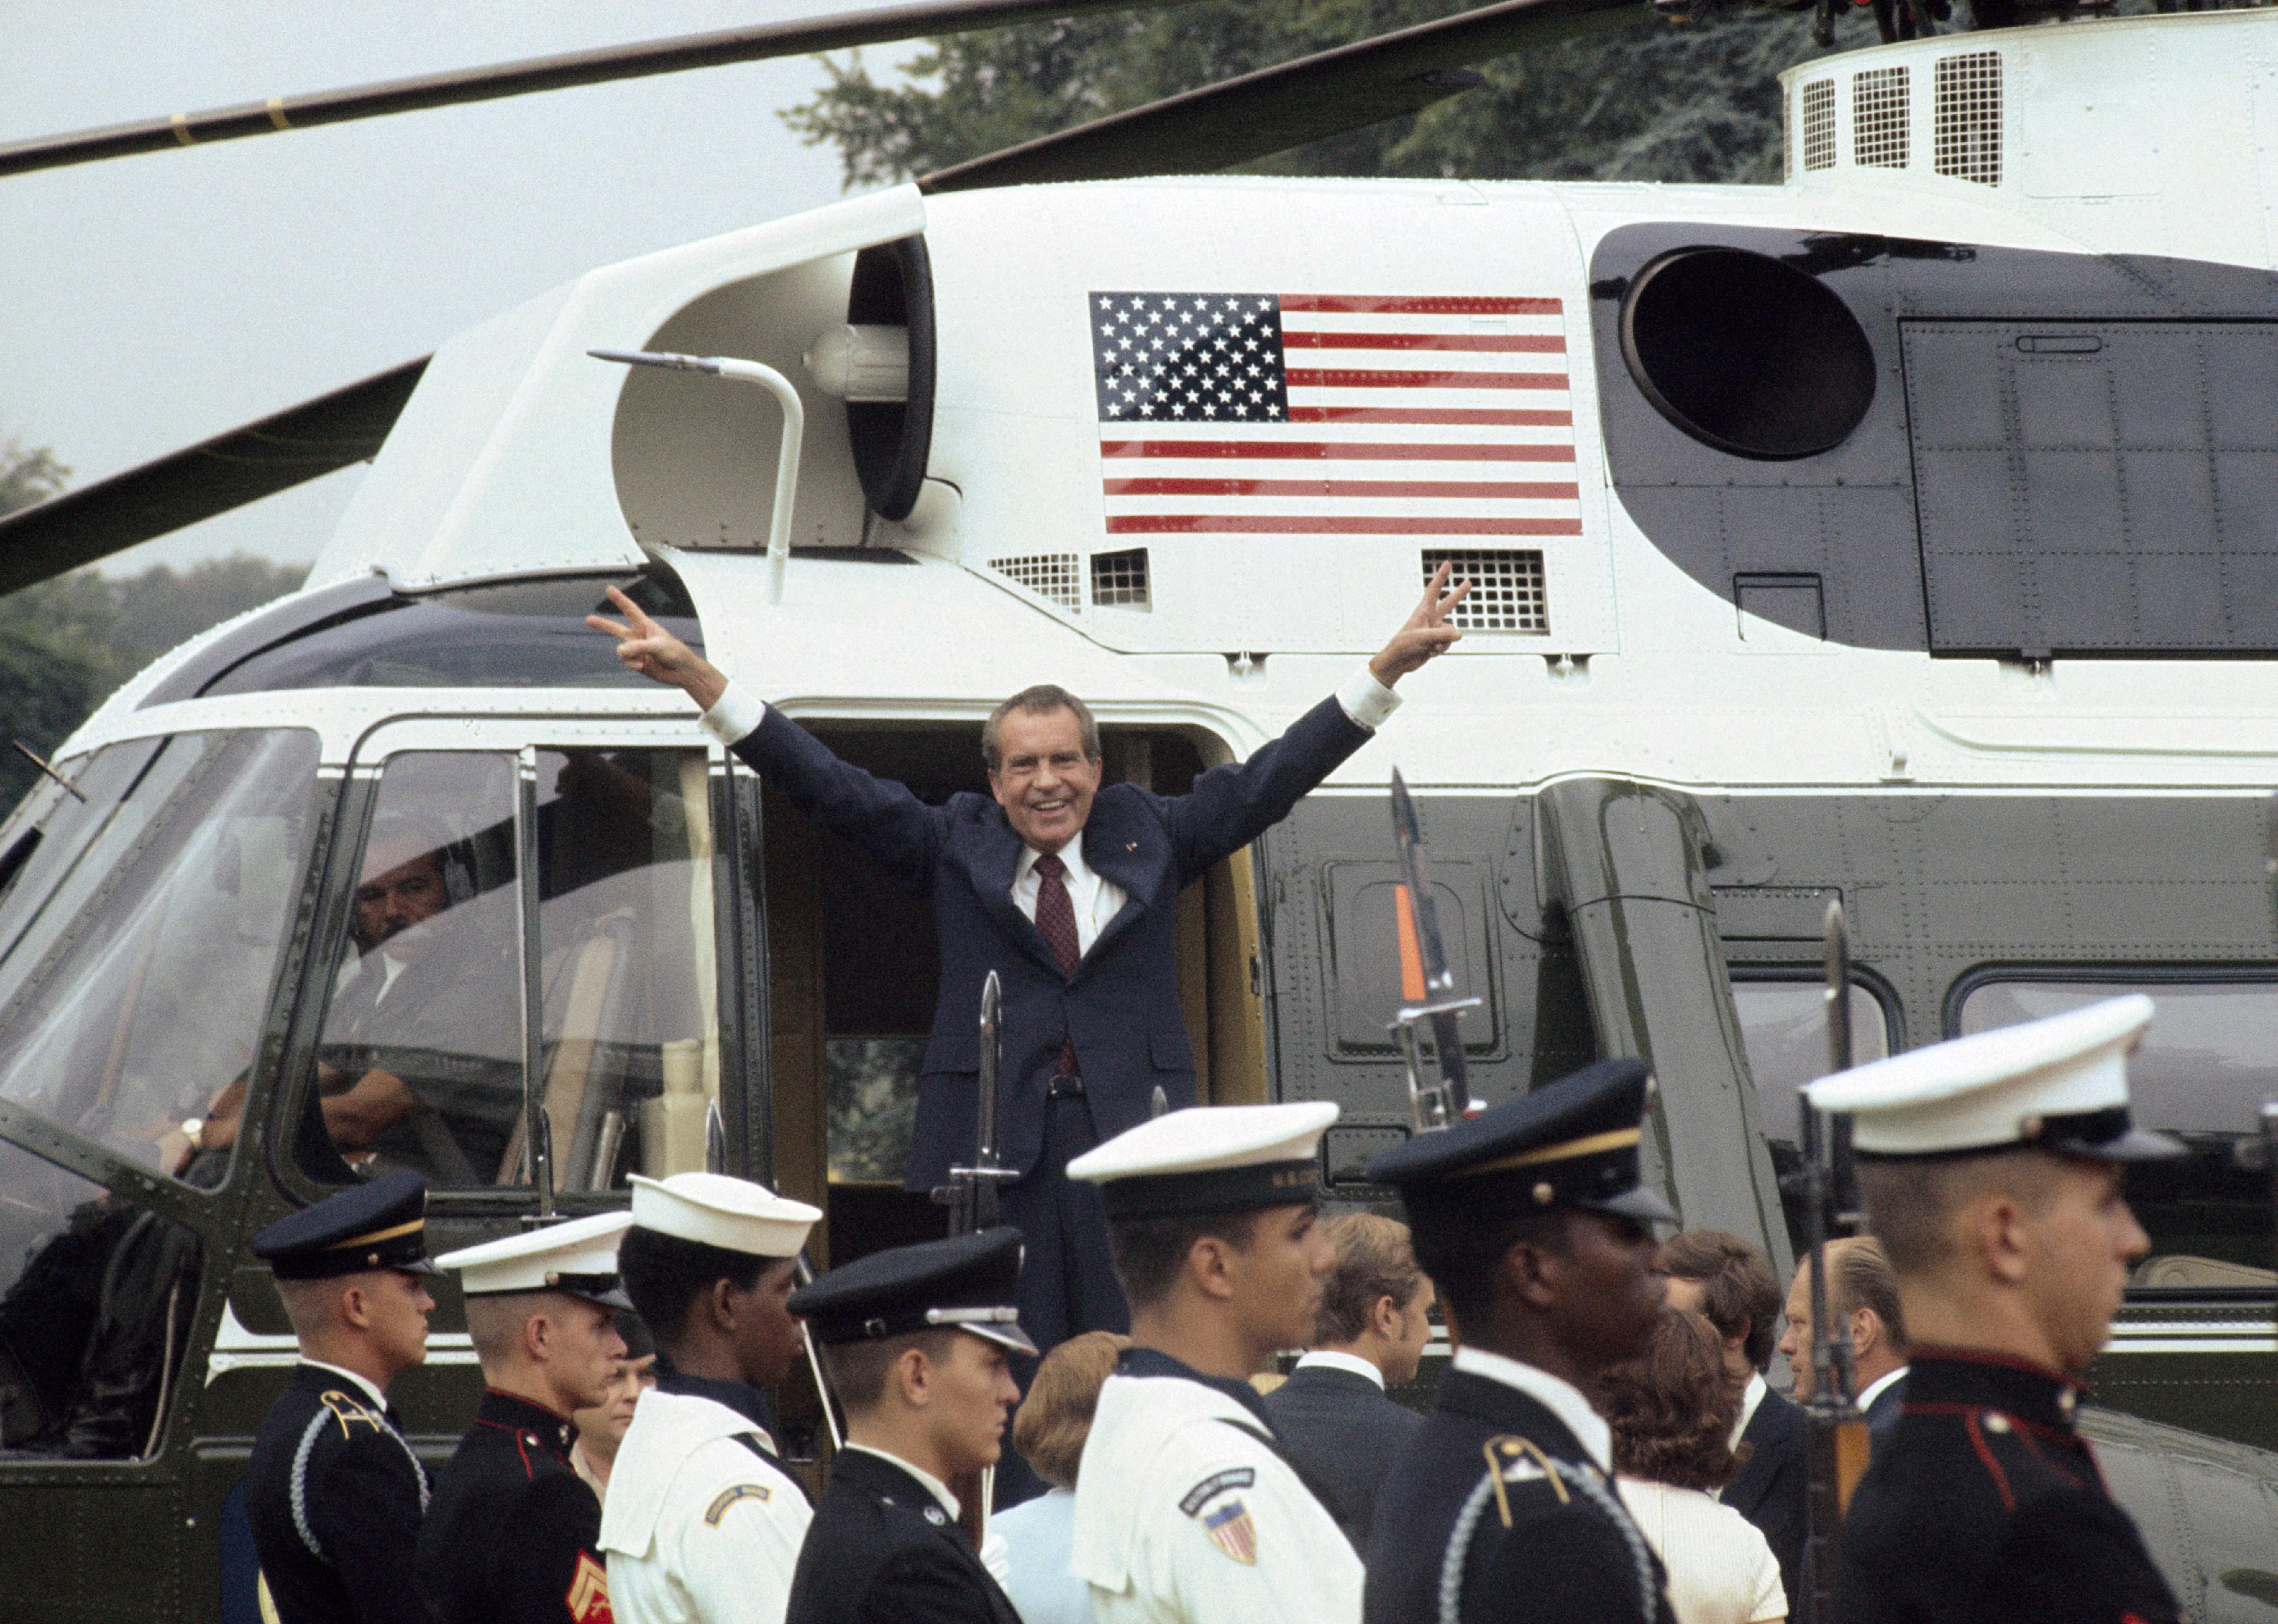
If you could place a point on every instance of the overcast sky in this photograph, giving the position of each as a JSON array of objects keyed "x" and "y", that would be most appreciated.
[{"x": 147, "y": 302}]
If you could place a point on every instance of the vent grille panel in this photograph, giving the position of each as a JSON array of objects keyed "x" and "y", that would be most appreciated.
[
  {"x": 1819, "y": 124},
  {"x": 1966, "y": 102},
  {"x": 1056, "y": 577},
  {"x": 1878, "y": 118},
  {"x": 1507, "y": 589},
  {"x": 1118, "y": 580}
]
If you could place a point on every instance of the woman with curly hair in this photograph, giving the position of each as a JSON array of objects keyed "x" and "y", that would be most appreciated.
[{"x": 1672, "y": 1413}]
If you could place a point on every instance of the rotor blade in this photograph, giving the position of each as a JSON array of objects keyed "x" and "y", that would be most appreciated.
[
  {"x": 1278, "y": 108},
  {"x": 878, "y": 25},
  {"x": 229, "y": 470}
]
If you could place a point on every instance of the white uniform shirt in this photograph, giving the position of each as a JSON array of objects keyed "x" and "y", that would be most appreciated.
[
  {"x": 1181, "y": 1518},
  {"x": 697, "y": 1528}
]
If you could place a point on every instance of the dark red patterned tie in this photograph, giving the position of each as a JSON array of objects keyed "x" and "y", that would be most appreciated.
[
  {"x": 1055, "y": 914},
  {"x": 1056, "y": 924}
]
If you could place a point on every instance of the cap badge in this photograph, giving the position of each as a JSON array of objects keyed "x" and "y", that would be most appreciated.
[{"x": 1543, "y": 1192}]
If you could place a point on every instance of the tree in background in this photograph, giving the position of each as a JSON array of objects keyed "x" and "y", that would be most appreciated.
[
  {"x": 66, "y": 644},
  {"x": 1654, "y": 101}
]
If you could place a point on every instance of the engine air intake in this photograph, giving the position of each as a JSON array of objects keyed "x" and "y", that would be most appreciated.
[{"x": 1747, "y": 354}]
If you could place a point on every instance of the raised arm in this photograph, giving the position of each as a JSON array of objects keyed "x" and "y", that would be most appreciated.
[
  {"x": 1232, "y": 805},
  {"x": 900, "y": 832}
]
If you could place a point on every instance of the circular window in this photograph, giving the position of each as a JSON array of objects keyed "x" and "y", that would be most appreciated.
[{"x": 1746, "y": 353}]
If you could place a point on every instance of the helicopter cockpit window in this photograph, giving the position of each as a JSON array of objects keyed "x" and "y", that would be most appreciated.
[
  {"x": 140, "y": 939},
  {"x": 421, "y": 1062},
  {"x": 2206, "y": 1063},
  {"x": 521, "y": 634},
  {"x": 97, "y": 1297},
  {"x": 421, "y": 1058}
]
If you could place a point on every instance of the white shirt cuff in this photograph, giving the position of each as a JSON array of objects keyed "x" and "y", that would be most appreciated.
[
  {"x": 1368, "y": 702},
  {"x": 734, "y": 717}
]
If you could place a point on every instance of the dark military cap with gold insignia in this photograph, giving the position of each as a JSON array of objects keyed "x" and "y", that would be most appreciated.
[
  {"x": 379, "y": 1225},
  {"x": 1572, "y": 1143}
]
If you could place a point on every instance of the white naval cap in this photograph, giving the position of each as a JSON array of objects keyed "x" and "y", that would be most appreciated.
[
  {"x": 2060, "y": 1084},
  {"x": 1210, "y": 1158},
  {"x": 579, "y": 1257},
  {"x": 717, "y": 1210}
]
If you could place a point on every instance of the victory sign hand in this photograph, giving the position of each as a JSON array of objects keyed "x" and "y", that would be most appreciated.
[
  {"x": 1426, "y": 634},
  {"x": 649, "y": 649}
]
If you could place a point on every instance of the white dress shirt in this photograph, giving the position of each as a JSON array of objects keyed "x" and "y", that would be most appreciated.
[
  {"x": 1757, "y": 1389},
  {"x": 1096, "y": 898},
  {"x": 1332, "y": 1359},
  {"x": 1874, "y": 1389},
  {"x": 1366, "y": 702},
  {"x": 378, "y": 1399},
  {"x": 1561, "y": 1397}
]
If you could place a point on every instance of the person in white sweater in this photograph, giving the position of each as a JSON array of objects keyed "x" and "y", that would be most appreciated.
[{"x": 1671, "y": 1411}]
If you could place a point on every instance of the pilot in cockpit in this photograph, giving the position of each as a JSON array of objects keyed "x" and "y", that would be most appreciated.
[{"x": 420, "y": 1065}]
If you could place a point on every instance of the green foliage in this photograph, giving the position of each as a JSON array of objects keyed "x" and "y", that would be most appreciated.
[
  {"x": 1654, "y": 101},
  {"x": 66, "y": 644}
]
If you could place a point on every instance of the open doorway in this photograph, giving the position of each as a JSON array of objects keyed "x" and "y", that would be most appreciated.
[{"x": 853, "y": 970}]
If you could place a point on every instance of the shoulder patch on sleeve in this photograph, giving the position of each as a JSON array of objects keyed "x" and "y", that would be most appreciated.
[
  {"x": 1232, "y": 1531},
  {"x": 1214, "y": 1485},
  {"x": 729, "y": 1495},
  {"x": 588, "y": 1596}
]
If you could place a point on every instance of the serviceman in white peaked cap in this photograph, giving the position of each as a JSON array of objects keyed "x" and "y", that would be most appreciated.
[
  {"x": 703, "y": 1523},
  {"x": 1186, "y": 1510},
  {"x": 509, "y": 1533},
  {"x": 1992, "y": 1166}
]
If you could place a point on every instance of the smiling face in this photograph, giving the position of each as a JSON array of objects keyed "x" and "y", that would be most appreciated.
[{"x": 1042, "y": 778}]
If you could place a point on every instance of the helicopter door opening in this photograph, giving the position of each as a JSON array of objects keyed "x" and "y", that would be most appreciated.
[
  {"x": 853, "y": 968},
  {"x": 423, "y": 1058}
]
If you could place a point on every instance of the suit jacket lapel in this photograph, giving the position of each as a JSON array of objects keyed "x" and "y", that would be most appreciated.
[
  {"x": 1117, "y": 847},
  {"x": 994, "y": 859}
]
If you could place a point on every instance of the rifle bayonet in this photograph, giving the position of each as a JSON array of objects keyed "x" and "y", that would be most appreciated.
[
  {"x": 1839, "y": 1430},
  {"x": 1426, "y": 983},
  {"x": 971, "y": 1193}
]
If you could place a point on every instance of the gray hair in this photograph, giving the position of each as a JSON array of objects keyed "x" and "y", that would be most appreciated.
[{"x": 1041, "y": 700}]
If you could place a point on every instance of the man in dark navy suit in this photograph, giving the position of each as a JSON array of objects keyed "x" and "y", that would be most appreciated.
[
  {"x": 1067, "y": 890},
  {"x": 1332, "y": 1416},
  {"x": 1730, "y": 1283}
]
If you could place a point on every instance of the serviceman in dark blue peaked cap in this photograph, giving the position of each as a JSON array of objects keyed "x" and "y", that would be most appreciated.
[
  {"x": 335, "y": 1493},
  {"x": 1532, "y": 1221},
  {"x": 915, "y": 1340}
]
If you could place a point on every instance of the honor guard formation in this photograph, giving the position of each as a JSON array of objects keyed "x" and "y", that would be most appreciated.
[
  {"x": 1557, "y": 1474},
  {"x": 1603, "y": 1443}
]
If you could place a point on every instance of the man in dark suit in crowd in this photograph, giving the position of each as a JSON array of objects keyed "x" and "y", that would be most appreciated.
[
  {"x": 1331, "y": 1415},
  {"x": 1068, "y": 890},
  {"x": 1731, "y": 1284},
  {"x": 1863, "y": 1291}
]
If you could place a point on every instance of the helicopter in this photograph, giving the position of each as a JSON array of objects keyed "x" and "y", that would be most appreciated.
[{"x": 1870, "y": 538}]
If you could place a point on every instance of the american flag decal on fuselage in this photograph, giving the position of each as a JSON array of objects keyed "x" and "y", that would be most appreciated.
[{"x": 1318, "y": 414}]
